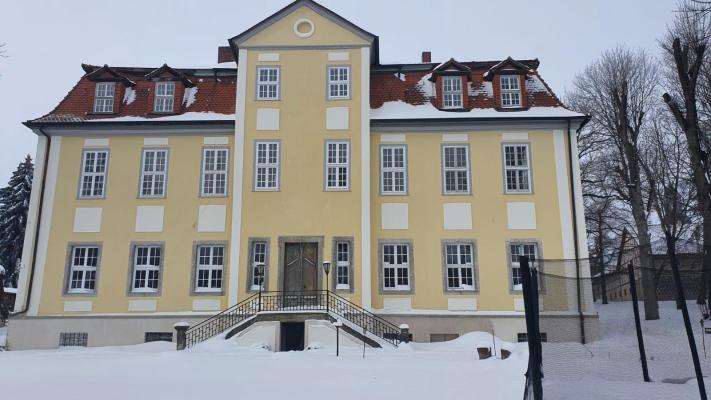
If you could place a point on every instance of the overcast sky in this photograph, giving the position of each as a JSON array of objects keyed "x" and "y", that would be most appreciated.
[{"x": 48, "y": 40}]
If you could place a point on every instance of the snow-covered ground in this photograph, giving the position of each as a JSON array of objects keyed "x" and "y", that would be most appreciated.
[{"x": 606, "y": 369}]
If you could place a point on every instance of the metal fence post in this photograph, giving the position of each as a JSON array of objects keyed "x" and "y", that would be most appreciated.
[{"x": 637, "y": 324}]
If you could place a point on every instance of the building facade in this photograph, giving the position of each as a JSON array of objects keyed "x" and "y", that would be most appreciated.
[{"x": 160, "y": 191}]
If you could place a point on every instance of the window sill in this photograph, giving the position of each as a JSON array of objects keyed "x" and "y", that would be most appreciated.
[{"x": 208, "y": 292}]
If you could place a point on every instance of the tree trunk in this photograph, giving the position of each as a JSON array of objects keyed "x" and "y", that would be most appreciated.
[{"x": 601, "y": 258}]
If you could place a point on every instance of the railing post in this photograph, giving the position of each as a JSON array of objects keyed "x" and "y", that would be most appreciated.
[
  {"x": 327, "y": 301},
  {"x": 181, "y": 329},
  {"x": 405, "y": 335}
]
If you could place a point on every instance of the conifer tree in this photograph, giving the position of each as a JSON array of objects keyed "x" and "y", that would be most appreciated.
[{"x": 14, "y": 203}]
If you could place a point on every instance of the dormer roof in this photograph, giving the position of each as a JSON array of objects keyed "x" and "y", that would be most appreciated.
[
  {"x": 105, "y": 74},
  {"x": 509, "y": 65},
  {"x": 164, "y": 70},
  {"x": 450, "y": 68}
]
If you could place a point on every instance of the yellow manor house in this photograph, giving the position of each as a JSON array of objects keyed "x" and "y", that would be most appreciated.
[{"x": 299, "y": 181}]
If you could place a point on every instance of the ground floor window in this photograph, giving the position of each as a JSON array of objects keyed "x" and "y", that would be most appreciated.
[
  {"x": 396, "y": 266},
  {"x": 146, "y": 268},
  {"x": 343, "y": 264},
  {"x": 516, "y": 250},
  {"x": 82, "y": 269},
  {"x": 459, "y": 265},
  {"x": 259, "y": 255},
  {"x": 210, "y": 266}
]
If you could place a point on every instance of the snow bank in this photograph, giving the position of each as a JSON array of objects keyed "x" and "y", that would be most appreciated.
[{"x": 401, "y": 110}]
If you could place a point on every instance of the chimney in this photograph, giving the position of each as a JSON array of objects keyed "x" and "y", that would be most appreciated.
[
  {"x": 224, "y": 54},
  {"x": 426, "y": 57}
]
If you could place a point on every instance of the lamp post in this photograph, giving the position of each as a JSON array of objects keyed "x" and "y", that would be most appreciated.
[
  {"x": 327, "y": 269},
  {"x": 260, "y": 279},
  {"x": 704, "y": 309},
  {"x": 338, "y": 324}
]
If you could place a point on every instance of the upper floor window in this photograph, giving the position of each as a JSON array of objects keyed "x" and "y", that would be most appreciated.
[
  {"x": 214, "y": 172},
  {"x": 452, "y": 92},
  {"x": 339, "y": 83},
  {"x": 266, "y": 172},
  {"x": 459, "y": 266},
  {"x": 337, "y": 165},
  {"x": 267, "y": 83},
  {"x": 516, "y": 250},
  {"x": 104, "y": 97},
  {"x": 165, "y": 92},
  {"x": 517, "y": 168},
  {"x": 455, "y": 160},
  {"x": 393, "y": 169},
  {"x": 210, "y": 265},
  {"x": 82, "y": 270},
  {"x": 510, "y": 91},
  {"x": 153, "y": 172},
  {"x": 396, "y": 266},
  {"x": 146, "y": 268},
  {"x": 93, "y": 174}
]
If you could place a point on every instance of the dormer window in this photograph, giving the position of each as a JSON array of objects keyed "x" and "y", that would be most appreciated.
[
  {"x": 104, "y": 98},
  {"x": 451, "y": 92},
  {"x": 165, "y": 93},
  {"x": 510, "y": 91}
]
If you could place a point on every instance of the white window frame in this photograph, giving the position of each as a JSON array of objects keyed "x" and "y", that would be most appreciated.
[
  {"x": 343, "y": 264},
  {"x": 389, "y": 168},
  {"x": 521, "y": 172},
  {"x": 148, "y": 268},
  {"x": 336, "y": 167},
  {"x": 152, "y": 174},
  {"x": 215, "y": 265},
  {"x": 104, "y": 97},
  {"x": 514, "y": 266},
  {"x": 457, "y": 170},
  {"x": 455, "y": 251},
  {"x": 95, "y": 177},
  {"x": 342, "y": 86},
  {"x": 452, "y": 93},
  {"x": 214, "y": 173},
  {"x": 258, "y": 253},
  {"x": 164, "y": 101},
  {"x": 398, "y": 270},
  {"x": 83, "y": 268},
  {"x": 267, "y": 168},
  {"x": 268, "y": 84},
  {"x": 510, "y": 95}
]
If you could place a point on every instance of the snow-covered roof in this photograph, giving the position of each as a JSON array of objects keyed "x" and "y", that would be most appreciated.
[{"x": 189, "y": 116}]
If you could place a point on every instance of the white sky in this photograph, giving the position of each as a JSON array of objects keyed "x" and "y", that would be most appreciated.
[{"x": 48, "y": 40}]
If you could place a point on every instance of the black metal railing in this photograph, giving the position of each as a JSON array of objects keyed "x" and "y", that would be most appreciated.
[{"x": 302, "y": 301}]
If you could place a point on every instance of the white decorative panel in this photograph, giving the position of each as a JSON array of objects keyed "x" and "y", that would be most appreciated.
[
  {"x": 267, "y": 119},
  {"x": 211, "y": 218},
  {"x": 461, "y": 304},
  {"x": 76, "y": 306},
  {"x": 158, "y": 141},
  {"x": 337, "y": 118},
  {"x": 392, "y": 138},
  {"x": 96, "y": 142},
  {"x": 268, "y": 57},
  {"x": 149, "y": 219},
  {"x": 518, "y": 304},
  {"x": 215, "y": 140},
  {"x": 206, "y": 305},
  {"x": 394, "y": 215},
  {"x": 457, "y": 215},
  {"x": 338, "y": 56},
  {"x": 403, "y": 303},
  {"x": 514, "y": 136},
  {"x": 455, "y": 137},
  {"x": 142, "y": 305},
  {"x": 521, "y": 215},
  {"x": 87, "y": 219}
]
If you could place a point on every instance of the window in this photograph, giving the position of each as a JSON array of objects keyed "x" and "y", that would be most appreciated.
[
  {"x": 73, "y": 339},
  {"x": 396, "y": 266},
  {"x": 104, "y": 97},
  {"x": 267, "y": 166},
  {"x": 337, "y": 161},
  {"x": 456, "y": 169},
  {"x": 158, "y": 337},
  {"x": 146, "y": 268},
  {"x": 210, "y": 266},
  {"x": 516, "y": 250},
  {"x": 523, "y": 337},
  {"x": 517, "y": 168},
  {"x": 452, "y": 92},
  {"x": 510, "y": 91},
  {"x": 393, "y": 173},
  {"x": 442, "y": 337},
  {"x": 343, "y": 265},
  {"x": 93, "y": 173},
  {"x": 214, "y": 172},
  {"x": 165, "y": 91},
  {"x": 339, "y": 84},
  {"x": 459, "y": 265},
  {"x": 153, "y": 173},
  {"x": 82, "y": 269},
  {"x": 260, "y": 255},
  {"x": 267, "y": 83}
]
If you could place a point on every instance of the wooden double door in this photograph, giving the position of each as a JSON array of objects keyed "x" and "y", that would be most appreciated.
[{"x": 301, "y": 267}]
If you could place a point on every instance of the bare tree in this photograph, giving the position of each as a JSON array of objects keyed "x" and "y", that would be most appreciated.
[
  {"x": 618, "y": 90},
  {"x": 689, "y": 100}
]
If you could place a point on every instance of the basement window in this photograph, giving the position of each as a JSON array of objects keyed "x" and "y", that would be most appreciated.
[
  {"x": 158, "y": 337},
  {"x": 73, "y": 339}
]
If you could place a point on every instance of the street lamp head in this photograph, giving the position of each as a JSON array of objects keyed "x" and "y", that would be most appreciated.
[
  {"x": 326, "y": 267},
  {"x": 260, "y": 268}
]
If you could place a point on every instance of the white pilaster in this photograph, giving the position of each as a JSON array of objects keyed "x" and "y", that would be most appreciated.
[{"x": 365, "y": 176}]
